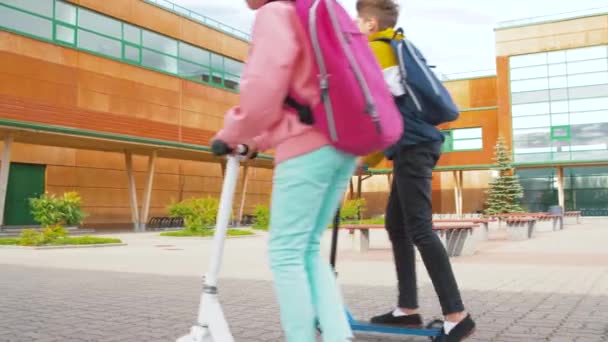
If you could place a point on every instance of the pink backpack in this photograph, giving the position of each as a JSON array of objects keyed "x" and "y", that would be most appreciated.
[{"x": 357, "y": 112}]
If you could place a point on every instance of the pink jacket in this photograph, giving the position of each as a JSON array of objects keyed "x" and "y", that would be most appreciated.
[{"x": 280, "y": 61}]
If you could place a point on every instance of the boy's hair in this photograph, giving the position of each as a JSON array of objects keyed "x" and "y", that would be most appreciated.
[{"x": 385, "y": 11}]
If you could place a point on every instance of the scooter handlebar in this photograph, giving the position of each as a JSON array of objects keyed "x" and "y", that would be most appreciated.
[{"x": 220, "y": 148}]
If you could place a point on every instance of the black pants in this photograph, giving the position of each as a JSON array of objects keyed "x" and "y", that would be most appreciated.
[{"x": 409, "y": 222}]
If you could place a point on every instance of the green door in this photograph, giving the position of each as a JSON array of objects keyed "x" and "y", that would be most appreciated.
[{"x": 24, "y": 182}]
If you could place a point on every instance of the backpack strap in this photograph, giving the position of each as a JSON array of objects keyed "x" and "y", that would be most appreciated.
[{"x": 304, "y": 111}]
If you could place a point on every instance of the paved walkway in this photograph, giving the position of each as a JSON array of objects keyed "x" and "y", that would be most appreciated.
[{"x": 552, "y": 288}]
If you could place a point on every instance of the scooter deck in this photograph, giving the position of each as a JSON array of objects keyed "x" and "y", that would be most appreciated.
[
  {"x": 371, "y": 328},
  {"x": 431, "y": 330}
]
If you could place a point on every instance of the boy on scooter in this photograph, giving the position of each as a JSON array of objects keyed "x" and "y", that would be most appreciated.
[{"x": 409, "y": 211}]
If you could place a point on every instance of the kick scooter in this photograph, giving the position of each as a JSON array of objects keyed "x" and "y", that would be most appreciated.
[
  {"x": 211, "y": 325},
  {"x": 431, "y": 330}
]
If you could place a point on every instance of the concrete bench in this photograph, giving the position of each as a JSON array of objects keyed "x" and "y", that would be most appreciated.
[
  {"x": 456, "y": 238},
  {"x": 572, "y": 217},
  {"x": 479, "y": 234},
  {"x": 360, "y": 235},
  {"x": 519, "y": 227},
  {"x": 545, "y": 222}
]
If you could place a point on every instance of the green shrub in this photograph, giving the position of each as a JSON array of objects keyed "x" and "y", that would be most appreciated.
[
  {"x": 31, "y": 237},
  {"x": 262, "y": 217},
  {"x": 352, "y": 209},
  {"x": 52, "y": 234},
  {"x": 199, "y": 214},
  {"x": 71, "y": 206},
  {"x": 50, "y": 210}
]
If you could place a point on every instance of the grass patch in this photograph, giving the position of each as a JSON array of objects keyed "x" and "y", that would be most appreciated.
[
  {"x": 67, "y": 241},
  {"x": 207, "y": 232},
  {"x": 84, "y": 240},
  {"x": 8, "y": 241},
  {"x": 376, "y": 220}
]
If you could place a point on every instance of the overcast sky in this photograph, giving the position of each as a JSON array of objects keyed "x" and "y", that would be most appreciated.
[{"x": 455, "y": 35}]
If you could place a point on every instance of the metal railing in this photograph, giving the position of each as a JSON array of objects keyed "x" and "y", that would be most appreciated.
[
  {"x": 553, "y": 17},
  {"x": 184, "y": 12}
]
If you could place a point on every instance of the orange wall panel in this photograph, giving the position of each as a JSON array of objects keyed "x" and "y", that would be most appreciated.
[
  {"x": 482, "y": 92},
  {"x": 504, "y": 99}
]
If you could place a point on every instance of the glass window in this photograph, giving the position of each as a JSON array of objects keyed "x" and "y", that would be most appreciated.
[
  {"x": 233, "y": 67},
  {"x": 530, "y": 109},
  {"x": 600, "y": 90},
  {"x": 559, "y": 94},
  {"x": 99, "y": 23},
  {"x": 535, "y": 134},
  {"x": 600, "y": 116},
  {"x": 132, "y": 53},
  {"x": 529, "y": 85},
  {"x": 65, "y": 12},
  {"x": 532, "y": 158},
  {"x": 530, "y": 97},
  {"x": 592, "y": 52},
  {"x": 529, "y": 72},
  {"x": 557, "y": 69},
  {"x": 159, "y": 61},
  {"x": 594, "y": 132},
  {"x": 532, "y": 121},
  {"x": 468, "y": 144},
  {"x": 558, "y": 82},
  {"x": 556, "y": 56},
  {"x": 194, "y": 54},
  {"x": 65, "y": 34},
  {"x": 559, "y": 107},
  {"x": 560, "y": 119},
  {"x": 588, "y": 66},
  {"x": 588, "y": 79},
  {"x": 583, "y": 105},
  {"x": 159, "y": 43},
  {"x": 217, "y": 61},
  {"x": 546, "y": 149},
  {"x": 96, "y": 43},
  {"x": 191, "y": 70},
  {"x": 528, "y": 60},
  {"x": 590, "y": 155},
  {"x": 132, "y": 34},
  {"x": 466, "y": 133},
  {"x": 26, "y": 23},
  {"x": 231, "y": 82},
  {"x": 42, "y": 7}
]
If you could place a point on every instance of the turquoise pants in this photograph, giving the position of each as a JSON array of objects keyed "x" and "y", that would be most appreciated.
[{"x": 306, "y": 194}]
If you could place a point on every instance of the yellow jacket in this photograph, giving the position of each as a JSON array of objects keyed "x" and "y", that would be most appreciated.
[{"x": 389, "y": 63}]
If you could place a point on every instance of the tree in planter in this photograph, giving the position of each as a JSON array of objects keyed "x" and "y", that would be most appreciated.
[{"x": 505, "y": 191}]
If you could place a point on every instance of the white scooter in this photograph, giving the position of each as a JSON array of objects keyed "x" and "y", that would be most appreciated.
[{"x": 211, "y": 325}]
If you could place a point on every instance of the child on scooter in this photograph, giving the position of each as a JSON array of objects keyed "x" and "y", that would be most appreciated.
[{"x": 310, "y": 175}]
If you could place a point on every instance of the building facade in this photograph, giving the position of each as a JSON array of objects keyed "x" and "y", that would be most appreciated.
[
  {"x": 549, "y": 100},
  {"x": 116, "y": 100}
]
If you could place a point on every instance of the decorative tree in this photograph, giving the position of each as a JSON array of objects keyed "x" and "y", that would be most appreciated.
[{"x": 505, "y": 191}]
